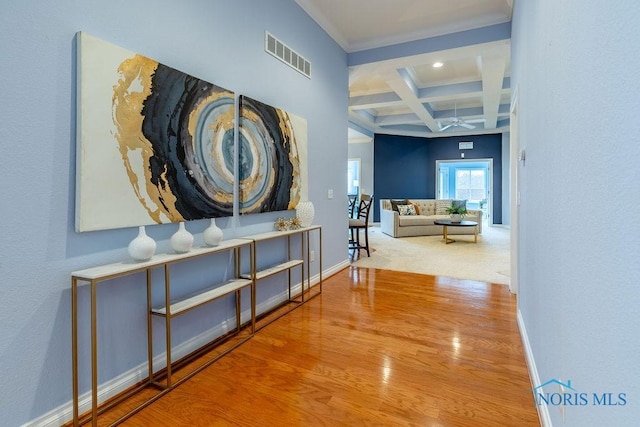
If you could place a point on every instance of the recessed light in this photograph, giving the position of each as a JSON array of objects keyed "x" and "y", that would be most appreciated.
[{"x": 437, "y": 64}]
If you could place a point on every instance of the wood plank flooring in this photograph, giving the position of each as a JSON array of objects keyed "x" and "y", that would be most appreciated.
[{"x": 377, "y": 348}]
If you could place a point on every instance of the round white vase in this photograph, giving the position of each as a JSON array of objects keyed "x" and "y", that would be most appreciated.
[
  {"x": 182, "y": 240},
  {"x": 142, "y": 247},
  {"x": 213, "y": 234},
  {"x": 305, "y": 212}
]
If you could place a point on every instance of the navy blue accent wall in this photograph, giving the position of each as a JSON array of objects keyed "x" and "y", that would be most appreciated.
[{"x": 405, "y": 166}]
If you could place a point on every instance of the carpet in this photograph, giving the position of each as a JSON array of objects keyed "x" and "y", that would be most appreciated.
[{"x": 487, "y": 261}]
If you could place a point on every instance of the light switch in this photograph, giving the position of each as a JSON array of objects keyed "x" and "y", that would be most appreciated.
[{"x": 330, "y": 194}]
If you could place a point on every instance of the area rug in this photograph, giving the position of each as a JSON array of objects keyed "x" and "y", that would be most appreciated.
[{"x": 485, "y": 261}]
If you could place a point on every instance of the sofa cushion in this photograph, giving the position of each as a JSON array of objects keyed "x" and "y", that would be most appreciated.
[
  {"x": 406, "y": 210},
  {"x": 411, "y": 220}
]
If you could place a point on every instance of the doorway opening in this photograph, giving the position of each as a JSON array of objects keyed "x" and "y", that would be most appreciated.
[
  {"x": 469, "y": 180},
  {"x": 353, "y": 177}
]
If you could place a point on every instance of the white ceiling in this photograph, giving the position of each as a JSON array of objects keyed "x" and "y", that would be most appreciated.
[{"x": 396, "y": 90}]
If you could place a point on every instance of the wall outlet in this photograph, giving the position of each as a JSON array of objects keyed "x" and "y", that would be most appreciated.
[{"x": 312, "y": 256}]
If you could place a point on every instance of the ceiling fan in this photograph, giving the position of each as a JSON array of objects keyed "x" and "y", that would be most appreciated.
[{"x": 455, "y": 121}]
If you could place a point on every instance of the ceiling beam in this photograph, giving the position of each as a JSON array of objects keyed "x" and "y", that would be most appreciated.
[
  {"x": 492, "y": 69},
  {"x": 447, "y": 91},
  {"x": 374, "y": 101},
  {"x": 430, "y": 94},
  {"x": 403, "y": 85}
]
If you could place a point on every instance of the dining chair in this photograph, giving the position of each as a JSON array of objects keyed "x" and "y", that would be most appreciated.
[
  {"x": 353, "y": 200},
  {"x": 359, "y": 223}
]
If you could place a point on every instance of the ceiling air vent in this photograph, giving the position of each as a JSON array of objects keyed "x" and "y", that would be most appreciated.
[{"x": 287, "y": 55}]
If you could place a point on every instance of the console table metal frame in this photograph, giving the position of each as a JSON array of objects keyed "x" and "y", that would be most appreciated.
[
  {"x": 93, "y": 276},
  {"x": 288, "y": 265}
]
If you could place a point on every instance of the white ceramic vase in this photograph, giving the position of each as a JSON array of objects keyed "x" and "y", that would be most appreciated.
[
  {"x": 456, "y": 218},
  {"x": 182, "y": 240},
  {"x": 305, "y": 212},
  {"x": 142, "y": 247},
  {"x": 213, "y": 234}
]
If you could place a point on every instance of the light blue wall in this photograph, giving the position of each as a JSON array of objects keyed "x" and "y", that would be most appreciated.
[
  {"x": 575, "y": 74},
  {"x": 220, "y": 41}
]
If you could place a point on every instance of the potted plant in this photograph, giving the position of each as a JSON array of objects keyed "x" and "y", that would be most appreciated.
[{"x": 457, "y": 212}]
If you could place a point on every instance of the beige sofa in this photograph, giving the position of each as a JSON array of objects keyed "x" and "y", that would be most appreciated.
[{"x": 429, "y": 210}]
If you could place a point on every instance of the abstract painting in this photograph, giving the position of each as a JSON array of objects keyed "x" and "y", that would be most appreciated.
[
  {"x": 154, "y": 145},
  {"x": 272, "y": 158}
]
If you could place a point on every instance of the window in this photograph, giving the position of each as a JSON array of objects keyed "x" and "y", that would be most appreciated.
[{"x": 471, "y": 184}]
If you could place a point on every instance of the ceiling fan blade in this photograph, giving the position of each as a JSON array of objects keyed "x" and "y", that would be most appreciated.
[
  {"x": 445, "y": 127},
  {"x": 466, "y": 125}
]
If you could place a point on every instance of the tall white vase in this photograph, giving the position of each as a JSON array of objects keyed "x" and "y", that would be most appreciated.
[
  {"x": 305, "y": 212},
  {"x": 213, "y": 234},
  {"x": 142, "y": 247},
  {"x": 182, "y": 240}
]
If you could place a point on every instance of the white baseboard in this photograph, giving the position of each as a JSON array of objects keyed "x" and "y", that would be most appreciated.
[
  {"x": 543, "y": 410},
  {"x": 333, "y": 270},
  {"x": 64, "y": 413},
  {"x": 506, "y": 226},
  {"x": 124, "y": 381}
]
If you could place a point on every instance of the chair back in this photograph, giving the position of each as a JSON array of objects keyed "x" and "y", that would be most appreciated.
[
  {"x": 366, "y": 201},
  {"x": 353, "y": 201}
]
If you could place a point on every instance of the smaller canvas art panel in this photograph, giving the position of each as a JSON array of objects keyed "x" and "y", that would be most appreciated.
[
  {"x": 154, "y": 144},
  {"x": 272, "y": 158}
]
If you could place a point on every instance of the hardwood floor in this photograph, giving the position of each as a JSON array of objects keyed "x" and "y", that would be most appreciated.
[{"x": 378, "y": 347}]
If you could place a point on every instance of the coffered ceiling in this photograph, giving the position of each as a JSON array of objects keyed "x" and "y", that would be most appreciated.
[{"x": 392, "y": 46}]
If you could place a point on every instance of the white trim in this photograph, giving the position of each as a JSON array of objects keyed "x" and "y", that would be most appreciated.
[
  {"x": 64, "y": 413},
  {"x": 514, "y": 193},
  {"x": 543, "y": 410},
  {"x": 489, "y": 188},
  {"x": 333, "y": 270}
]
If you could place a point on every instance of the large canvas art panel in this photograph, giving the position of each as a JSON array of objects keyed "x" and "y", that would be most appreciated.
[
  {"x": 272, "y": 158},
  {"x": 154, "y": 145}
]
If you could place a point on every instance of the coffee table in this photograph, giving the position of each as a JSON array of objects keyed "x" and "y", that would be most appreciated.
[{"x": 445, "y": 223}]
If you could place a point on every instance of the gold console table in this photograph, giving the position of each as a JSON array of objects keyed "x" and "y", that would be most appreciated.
[{"x": 173, "y": 308}]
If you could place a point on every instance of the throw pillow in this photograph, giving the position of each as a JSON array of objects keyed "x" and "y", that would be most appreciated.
[
  {"x": 459, "y": 203},
  {"x": 441, "y": 206},
  {"x": 406, "y": 210},
  {"x": 416, "y": 207},
  {"x": 395, "y": 203}
]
